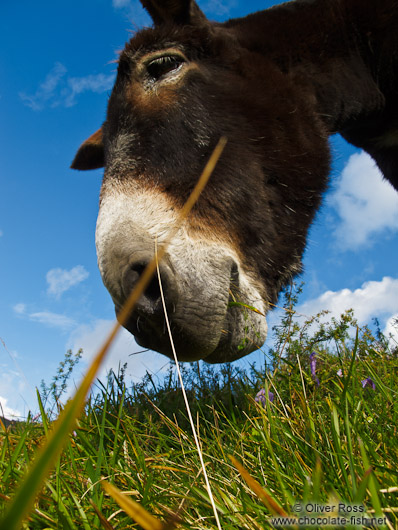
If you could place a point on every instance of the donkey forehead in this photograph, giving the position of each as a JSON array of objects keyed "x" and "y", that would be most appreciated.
[
  {"x": 195, "y": 42},
  {"x": 212, "y": 68}
]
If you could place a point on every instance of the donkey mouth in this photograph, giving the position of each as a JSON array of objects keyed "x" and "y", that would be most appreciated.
[
  {"x": 236, "y": 334},
  {"x": 152, "y": 333},
  {"x": 206, "y": 301},
  {"x": 232, "y": 342}
]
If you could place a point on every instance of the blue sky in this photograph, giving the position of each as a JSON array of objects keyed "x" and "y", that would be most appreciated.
[{"x": 56, "y": 72}]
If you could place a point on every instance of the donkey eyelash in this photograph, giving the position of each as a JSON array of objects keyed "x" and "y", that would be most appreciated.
[{"x": 161, "y": 66}]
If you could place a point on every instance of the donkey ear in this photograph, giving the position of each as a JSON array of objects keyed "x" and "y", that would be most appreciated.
[
  {"x": 90, "y": 154},
  {"x": 181, "y": 12}
]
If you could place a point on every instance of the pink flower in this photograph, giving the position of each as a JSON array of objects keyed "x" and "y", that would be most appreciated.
[
  {"x": 368, "y": 382},
  {"x": 261, "y": 397}
]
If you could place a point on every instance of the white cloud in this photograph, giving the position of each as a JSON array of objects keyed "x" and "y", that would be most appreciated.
[
  {"x": 60, "y": 280},
  {"x": 17, "y": 392},
  {"x": 59, "y": 89},
  {"x": 124, "y": 349},
  {"x": 372, "y": 299},
  {"x": 366, "y": 204},
  {"x": 46, "y": 90},
  {"x": 13, "y": 386},
  {"x": 53, "y": 320},
  {"x": 120, "y": 3},
  {"x": 133, "y": 11},
  {"x": 20, "y": 309},
  {"x": 220, "y": 8},
  {"x": 92, "y": 83},
  {"x": 8, "y": 412},
  {"x": 391, "y": 329}
]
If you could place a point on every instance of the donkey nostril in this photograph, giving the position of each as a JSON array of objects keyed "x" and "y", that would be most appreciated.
[
  {"x": 150, "y": 301},
  {"x": 131, "y": 277},
  {"x": 152, "y": 292},
  {"x": 130, "y": 280}
]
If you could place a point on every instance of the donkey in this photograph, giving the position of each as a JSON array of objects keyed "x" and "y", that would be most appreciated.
[{"x": 276, "y": 84}]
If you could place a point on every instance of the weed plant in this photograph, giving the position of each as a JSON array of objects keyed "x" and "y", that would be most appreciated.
[{"x": 315, "y": 428}]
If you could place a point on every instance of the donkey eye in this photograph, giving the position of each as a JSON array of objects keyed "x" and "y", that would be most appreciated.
[{"x": 161, "y": 66}]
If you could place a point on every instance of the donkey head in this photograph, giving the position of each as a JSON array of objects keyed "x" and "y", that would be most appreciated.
[{"x": 180, "y": 86}]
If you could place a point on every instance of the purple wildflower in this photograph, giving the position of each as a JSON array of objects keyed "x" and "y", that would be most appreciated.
[
  {"x": 368, "y": 382},
  {"x": 313, "y": 367},
  {"x": 261, "y": 397},
  {"x": 340, "y": 372}
]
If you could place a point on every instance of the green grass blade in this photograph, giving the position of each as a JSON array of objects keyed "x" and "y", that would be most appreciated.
[
  {"x": 16, "y": 453},
  {"x": 350, "y": 452},
  {"x": 373, "y": 486},
  {"x": 363, "y": 485},
  {"x": 351, "y": 368},
  {"x": 43, "y": 414},
  {"x": 62, "y": 509},
  {"x": 24, "y": 498},
  {"x": 26, "y": 493},
  {"x": 335, "y": 427}
]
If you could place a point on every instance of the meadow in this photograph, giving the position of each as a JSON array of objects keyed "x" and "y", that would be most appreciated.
[{"x": 311, "y": 434}]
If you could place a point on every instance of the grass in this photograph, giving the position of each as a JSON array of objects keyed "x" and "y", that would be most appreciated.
[{"x": 329, "y": 436}]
